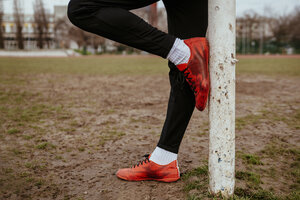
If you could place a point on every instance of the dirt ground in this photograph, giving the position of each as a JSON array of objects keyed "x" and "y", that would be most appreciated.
[{"x": 84, "y": 127}]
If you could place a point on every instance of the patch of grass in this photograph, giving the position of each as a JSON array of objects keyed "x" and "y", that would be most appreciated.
[
  {"x": 251, "y": 178},
  {"x": 254, "y": 195},
  {"x": 295, "y": 174},
  {"x": 39, "y": 183},
  {"x": 81, "y": 149},
  {"x": 134, "y": 120},
  {"x": 241, "y": 122},
  {"x": 108, "y": 65},
  {"x": 250, "y": 159},
  {"x": 44, "y": 145},
  {"x": 203, "y": 170},
  {"x": 68, "y": 129},
  {"x": 193, "y": 197},
  {"x": 35, "y": 165},
  {"x": 263, "y": 195},
  {"x": 12, "y": 80},
  {"x": 24, "y": 114},
  {"x": 110, "y": 111},
  {"x": 279, "y": 148},
  {"x": 58, "y": 157},
  {"x": 272, "y": 172},
  {"x": 102, "y": 65},
  {"x": 74, "y": 123},
  {"x": 202, "y": 133},
  {"x": 110, "y": 135},
  {"x": 24, "y": 174},
  {"x": 16, "y": 151},
  {"x": 269, "y": 66},
  {"x": 7, "y": 170},
  {"x": 292, "y": 120},
  {"x": 13, "y": 131},
  {"x": 196, "y": 184},
  {"x": 196, "y": 180},
  {"x": 27, "y": 137}
]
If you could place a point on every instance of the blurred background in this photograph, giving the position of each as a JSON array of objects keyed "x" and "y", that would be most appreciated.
[{"x": 263, "y": 27}]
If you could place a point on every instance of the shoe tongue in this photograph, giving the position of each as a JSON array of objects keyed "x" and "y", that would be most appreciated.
[{"x": 147, "y": 155}]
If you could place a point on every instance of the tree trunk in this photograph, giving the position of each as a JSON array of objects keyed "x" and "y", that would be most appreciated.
[{"x": 1, "y": 30}]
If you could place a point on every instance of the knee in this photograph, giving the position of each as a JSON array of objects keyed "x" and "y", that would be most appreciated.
[
  {"x": 78, "y": 11},
  {"x": 73, "y": 6}
]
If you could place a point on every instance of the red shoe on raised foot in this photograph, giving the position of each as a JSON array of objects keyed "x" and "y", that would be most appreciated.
[
  {"x": 196, "y": 70},
  {"x": 149, "y": 170}
]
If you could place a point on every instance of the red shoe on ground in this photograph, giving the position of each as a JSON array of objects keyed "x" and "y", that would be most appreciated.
[
  {"x": 149, "y": 170},
  {"x": 196, "y": 70}
]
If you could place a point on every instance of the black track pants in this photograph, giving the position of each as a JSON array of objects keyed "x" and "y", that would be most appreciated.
[{"x": 113, "y": 20}]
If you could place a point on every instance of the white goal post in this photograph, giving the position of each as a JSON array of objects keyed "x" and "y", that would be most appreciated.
[{"x": 221, "y": 36}]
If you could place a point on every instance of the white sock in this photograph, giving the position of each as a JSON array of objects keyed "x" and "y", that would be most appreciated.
[
  {"x": 162, "y": 157},
  {"x": 180, "y": 52}
]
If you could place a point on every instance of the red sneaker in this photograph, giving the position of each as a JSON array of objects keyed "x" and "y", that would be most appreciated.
[
  {"x": 196, "y": 70},
  {"x": 149, "y": 170}
]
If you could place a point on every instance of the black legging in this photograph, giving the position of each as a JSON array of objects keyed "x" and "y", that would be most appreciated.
[{"x": 113, "y": 20}]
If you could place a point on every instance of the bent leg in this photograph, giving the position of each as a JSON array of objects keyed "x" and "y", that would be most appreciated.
[{"x": 111, "y": 19}]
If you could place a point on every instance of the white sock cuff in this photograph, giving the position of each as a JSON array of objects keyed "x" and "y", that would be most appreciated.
[
  {"x": 179, "y": 53},
  {"x": 162, "y": 157}
]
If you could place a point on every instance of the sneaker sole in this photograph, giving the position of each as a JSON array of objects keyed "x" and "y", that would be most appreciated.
[{"x": 167, "y": 180}]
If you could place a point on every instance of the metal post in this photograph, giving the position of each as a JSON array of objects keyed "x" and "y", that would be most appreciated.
[{"x": 221, "y": 36}]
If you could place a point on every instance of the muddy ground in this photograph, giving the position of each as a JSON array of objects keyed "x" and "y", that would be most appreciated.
[{"x": 65, "y": 136}]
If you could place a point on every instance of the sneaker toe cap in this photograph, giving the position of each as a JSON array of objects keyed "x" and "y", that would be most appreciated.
[{"x": 123, "y": 173}]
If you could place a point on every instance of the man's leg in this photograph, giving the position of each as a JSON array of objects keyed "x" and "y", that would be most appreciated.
[
  {"x": 185, "y": 20},
  {"x": 113, "y": 20}
]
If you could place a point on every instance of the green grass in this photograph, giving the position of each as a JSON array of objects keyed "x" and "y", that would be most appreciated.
[
  {"x": 110, "y": 135},
  {"x": 241, "y": 122},
  {"x": 45, "y": 145},
  {"x": 105, "y": 65},
  {"x": 13, "y": 131},
  {"x": 269, "y": 66},
  {"x": 196, "y": 180},
  {"x": 261, "y": 194},
  {"x": 252, "y": 179},
  {"x": 272, "y": 115},
  {"x": 250, "y": 158},
  {"x": 108, "y": 65}
]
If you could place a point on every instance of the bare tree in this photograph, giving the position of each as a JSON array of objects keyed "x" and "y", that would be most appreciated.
[
  {"x": 80, "y": 37},
  {"x": 41, "y": 20},
  {"x": 162, "y": 23},
  {"x": 294, "y": 28},
  {"x": 252, "y": 23},
  {"x": 97, "y": 41},
  {"x": 61, "y": 30},
  {"x": 1, "y": 30},
  {"x": 18, "y": 18}
]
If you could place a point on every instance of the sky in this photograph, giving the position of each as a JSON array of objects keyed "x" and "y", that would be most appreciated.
[{"x": 279, "y": 7}]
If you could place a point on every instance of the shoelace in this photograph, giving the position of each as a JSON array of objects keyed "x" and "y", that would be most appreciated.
[
  {"x": 143, "y": 161},
  {"x": 189, "y": 79}
]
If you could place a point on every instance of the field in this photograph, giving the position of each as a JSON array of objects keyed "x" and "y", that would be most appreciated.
[{"x": 68, "y": 124}]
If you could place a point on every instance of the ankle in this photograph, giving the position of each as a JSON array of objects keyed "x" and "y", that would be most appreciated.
[
  {"x": 162, "y": 157},
  {"x": 180, "y": 53}
]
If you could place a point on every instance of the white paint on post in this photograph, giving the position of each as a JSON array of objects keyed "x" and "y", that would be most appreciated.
[{"x": 221, "y": 36}]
